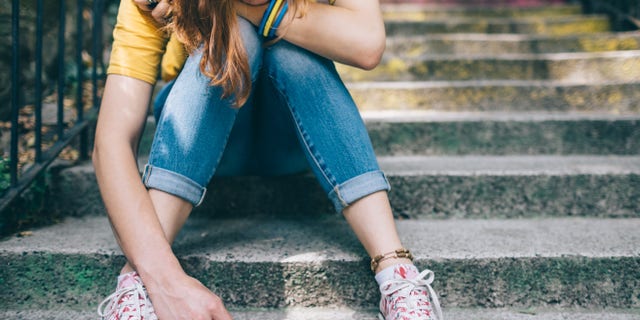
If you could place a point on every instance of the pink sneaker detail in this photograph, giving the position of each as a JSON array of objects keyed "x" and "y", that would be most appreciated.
[
  {"x": 129, "y": 302},
  {"x": 409, "y": 296},
  {"x": 403, "y": 272}
]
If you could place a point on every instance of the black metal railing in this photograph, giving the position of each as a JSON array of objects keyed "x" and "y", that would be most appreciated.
[
  {"x": 21, "y": 174},
  {"x": 625, "y": 14}
]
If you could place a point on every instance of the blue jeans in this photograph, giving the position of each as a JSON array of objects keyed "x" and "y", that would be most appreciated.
[{"x": 299, "y": 115}]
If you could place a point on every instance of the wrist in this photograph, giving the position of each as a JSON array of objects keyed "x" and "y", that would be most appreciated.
[{"x": 159, "y": 269}]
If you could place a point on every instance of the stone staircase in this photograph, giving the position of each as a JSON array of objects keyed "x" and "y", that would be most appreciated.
[{"x": 511, "y": 137}]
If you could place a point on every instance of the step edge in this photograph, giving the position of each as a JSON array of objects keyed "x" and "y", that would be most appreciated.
[{"x": 614, "y": 234}]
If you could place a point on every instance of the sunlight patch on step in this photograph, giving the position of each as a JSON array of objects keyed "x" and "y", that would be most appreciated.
[{"x": 307, "y": 257}]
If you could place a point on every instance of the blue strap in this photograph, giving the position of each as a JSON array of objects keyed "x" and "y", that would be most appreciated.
[
  {"x": 276, "y": 24},
  {"x": 265, "y": 16}
]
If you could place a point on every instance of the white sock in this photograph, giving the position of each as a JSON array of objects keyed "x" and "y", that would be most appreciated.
[{"x": 388, "y": 273}]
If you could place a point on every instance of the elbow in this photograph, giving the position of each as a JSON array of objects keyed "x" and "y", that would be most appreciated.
[
  {"x": 115, "y": 147},
  {"x": 370, "y": 61},
  {"x": 102, "y": 147},
  {"x": 371, "y": 54},
  {"x": 95, "y": 155}
]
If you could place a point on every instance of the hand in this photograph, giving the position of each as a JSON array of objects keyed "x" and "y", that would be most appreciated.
[
  {"x": 160, "y": 9},
  {"x": 185, "y": 298}
]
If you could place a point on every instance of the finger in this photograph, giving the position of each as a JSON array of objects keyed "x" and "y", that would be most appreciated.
[
  {"x": 145, "y": 5},
  {"x": 219, "y": 312},
  {"x": 160, "y": 12},
  {"x": 222, "y": 315}
]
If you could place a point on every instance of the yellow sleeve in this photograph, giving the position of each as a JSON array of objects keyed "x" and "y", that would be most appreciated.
[
  {"x": 173, "y": 59},
  {"x": 138, "y": 44}
]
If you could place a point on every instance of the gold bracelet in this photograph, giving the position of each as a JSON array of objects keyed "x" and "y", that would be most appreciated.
[{"x": 401, "y": 253}]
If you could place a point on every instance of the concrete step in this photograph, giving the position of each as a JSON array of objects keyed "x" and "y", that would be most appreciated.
[
  {"x": 273, "y": 263},
  {"x": 344, "y": 313},
  {"x": 558, "y": 26},
  {"x": 427, "y": 12},
  {"x": 406, "y": 132},
  {"x": 498, "y": 95},
  {"x": 418, "y": 132},
  {"x": 559, "y": 67},
  {"x": 408, "y": 47},
  {"x": 422, "y": 188}
]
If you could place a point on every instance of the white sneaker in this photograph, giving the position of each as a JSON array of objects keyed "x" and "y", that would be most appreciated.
[
  {"x": 129, "y": 302},
  {"x": 409, "y": 296}
]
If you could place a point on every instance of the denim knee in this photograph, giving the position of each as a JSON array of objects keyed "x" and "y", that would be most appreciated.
[
  {"x": 252, "y": 45},
  {"x": 288, "y": 60}
]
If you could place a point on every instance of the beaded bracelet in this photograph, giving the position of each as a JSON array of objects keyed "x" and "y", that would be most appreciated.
[
  {"x": 272, "y": 18},
  {"x": 396, "y": 254}
]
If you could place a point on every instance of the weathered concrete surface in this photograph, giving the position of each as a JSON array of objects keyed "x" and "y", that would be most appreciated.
[
  {"x": 498, "y": 44},
  {"x": 579, "y": 24},
  {"x": 422, "y": 187},
  {"x": 513, "y": 186},
  {"x": 351, "y": 314},
  {"x": 428, "y": 12},
  {"x": 593, "y": 67},
  {"x": 498, "y": 95},
  {"x": 275, "y": 263},
  {"x": 405, "y": 132}
]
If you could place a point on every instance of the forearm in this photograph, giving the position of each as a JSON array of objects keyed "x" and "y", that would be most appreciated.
[
  {"x": 128, "y": 204},
  {"x": 349, "y": 32},
  {"x": 131, "y": 212},
  {"x": 347, "y": 35}
]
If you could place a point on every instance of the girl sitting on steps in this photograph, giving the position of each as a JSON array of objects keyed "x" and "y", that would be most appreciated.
[{"x": 282, "y": 103}]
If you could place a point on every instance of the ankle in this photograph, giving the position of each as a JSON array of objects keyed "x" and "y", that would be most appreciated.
[
  {"x": 398, "y": 256},
  {"x": 126, "y": 269},
  {"x": 392, "y": 262}
]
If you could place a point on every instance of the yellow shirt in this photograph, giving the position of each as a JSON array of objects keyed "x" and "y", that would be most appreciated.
[
  {"x": 139, "y": 44},
  {"x": 173, "y": 59}
]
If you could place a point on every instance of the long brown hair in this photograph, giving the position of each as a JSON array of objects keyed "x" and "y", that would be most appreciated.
[{"x": 213, "y": 25}]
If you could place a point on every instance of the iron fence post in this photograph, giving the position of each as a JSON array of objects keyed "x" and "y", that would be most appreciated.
[
  {"x": 15, "y": 89},
  {"x": 61, "y": 68},
  {"x": 94, "y": 53},
  {"x": 38, "y": 81},
  {"x": 80, "y": 78}
]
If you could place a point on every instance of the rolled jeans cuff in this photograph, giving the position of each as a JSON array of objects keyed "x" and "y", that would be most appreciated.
[
  {"x": 358, "y": 187},
  {"x": 173, "y": 183}
]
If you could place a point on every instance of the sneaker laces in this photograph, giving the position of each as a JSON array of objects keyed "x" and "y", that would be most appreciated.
[
  {"x": 125, "y": 304},
  {"x": 407, "y": 286}
]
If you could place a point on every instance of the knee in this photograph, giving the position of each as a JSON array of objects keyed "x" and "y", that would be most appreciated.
[
  {"x": 253, "y": 49},
  {"x": 252, "y": 44},
  {"x": 286, "y": 59}
]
